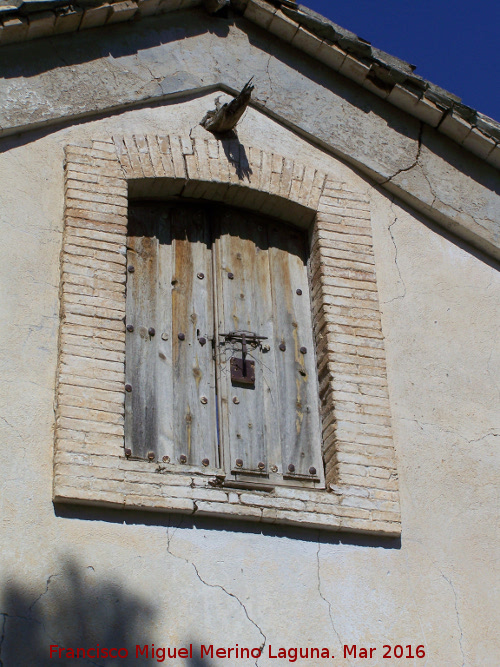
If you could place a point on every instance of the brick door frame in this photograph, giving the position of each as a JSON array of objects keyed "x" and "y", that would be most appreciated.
[{"x": 90, "y": 465}]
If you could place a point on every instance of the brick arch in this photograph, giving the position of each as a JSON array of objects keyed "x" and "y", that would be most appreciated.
[
  {"x": 223, "y": 170},
  {"x": 357, "y": 439}
]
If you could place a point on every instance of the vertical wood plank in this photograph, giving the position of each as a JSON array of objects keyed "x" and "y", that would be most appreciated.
[
  {"x": 298, "y": 412},
  {"x": 166, "y": 411},
  {"x": 249, "y": 428},
  {"x": 164, "y": 379},
  {"x": 140, "y": 359},
  {"x": 183, "y": 257},
  {"x": 193, "y": 396}
]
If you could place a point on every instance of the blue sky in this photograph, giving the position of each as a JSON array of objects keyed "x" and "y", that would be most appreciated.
[{"x": 454, "y": 43}]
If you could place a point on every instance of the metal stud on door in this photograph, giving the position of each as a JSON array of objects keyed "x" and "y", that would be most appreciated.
[
  {"x": 218, "y": 316},
  {"x": 244, "y": 306},
  {"x": 193, "y": 392},
  {"x": 270, "y": 426},
  {"x": 170, "y": 407},
  {"x": 298, "y": 414}
]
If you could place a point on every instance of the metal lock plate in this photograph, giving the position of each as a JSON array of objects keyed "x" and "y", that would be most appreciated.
[{"x": 243, "y": 371}]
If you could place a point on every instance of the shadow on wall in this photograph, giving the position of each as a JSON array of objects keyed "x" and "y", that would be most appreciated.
[
  {"x": 236, "y": 154},
  {"x": 77, "y": 609}
]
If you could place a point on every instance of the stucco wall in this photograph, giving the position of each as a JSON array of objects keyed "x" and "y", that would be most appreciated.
[
  {"x": 77, "y": 577},
  {"x": 159, "y": 58}
]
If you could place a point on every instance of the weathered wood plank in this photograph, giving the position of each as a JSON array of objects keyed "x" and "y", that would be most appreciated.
[
  {"x": 201, "y": 272},
  {"x": 140, "y": 358},
  {"x": 298, "y": 412},
  {"x": 248, "y": 414},
  {"x": 194, "y": 400},
  {"x": 166, "y": 411},
  {"x": 164, "y": 381}
]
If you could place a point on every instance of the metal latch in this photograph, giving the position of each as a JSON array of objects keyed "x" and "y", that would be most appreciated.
[{"x": 243, "y": 370}]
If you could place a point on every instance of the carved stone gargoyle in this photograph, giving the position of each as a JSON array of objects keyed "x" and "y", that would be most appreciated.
[{"x": 224, "y": 117}]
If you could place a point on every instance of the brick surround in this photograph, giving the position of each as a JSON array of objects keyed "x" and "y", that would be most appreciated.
[{"x": 89, "y": 464}]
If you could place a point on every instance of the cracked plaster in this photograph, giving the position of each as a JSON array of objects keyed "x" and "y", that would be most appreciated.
[
  {"x": 164, "y": 56},
  {"x": 262, "y": 644},
  {"x": 227, "y": 584}
]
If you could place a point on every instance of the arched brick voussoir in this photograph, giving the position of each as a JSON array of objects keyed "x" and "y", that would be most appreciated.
[{"x": 221, "y": 170}]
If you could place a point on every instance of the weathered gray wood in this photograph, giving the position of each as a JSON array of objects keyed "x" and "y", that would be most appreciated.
[
  {"x": 249, "y": 429},
  {"x": 140, "y": 363},
  {"x": 166, "y": 412},
  {"x": 164, "y": 380},
  {"x": 183, "y": 258},
  {"x": 195, "y": 431},
  {"x": 298, "y": 412}
]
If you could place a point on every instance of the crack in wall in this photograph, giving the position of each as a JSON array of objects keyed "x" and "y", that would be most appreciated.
[
  {"x": 154, "y": 79},
  {"x": 491, "y": 433},
  {"x": 460, "y": 639},
  {"x": 399, "y": 296},
  {"x": 30, "y": 618},
  {"x": 325, "y": 600},
  {"x": 412, "y": 590},
  {"x": 479, "y": 221},
  {"x": 434, "y": 564},
  {"x": 434, "y": 195},
  {"x": 416, "y": 163},
  {"x": 416, "y": 160},
  {"x": 271, "y": 92},
  {"x": 47, "y": 585},
  {"x": 492, "y": 374},
  {"x": 18, "y": 433},
  {"x": 219, "y": 586}
]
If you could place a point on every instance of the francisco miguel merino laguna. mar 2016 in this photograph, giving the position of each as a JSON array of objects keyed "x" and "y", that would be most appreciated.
[{"x": 160, "y": 654}]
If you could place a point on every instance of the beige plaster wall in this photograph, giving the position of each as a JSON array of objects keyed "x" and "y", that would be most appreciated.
[{"x": 118, "y": 578}]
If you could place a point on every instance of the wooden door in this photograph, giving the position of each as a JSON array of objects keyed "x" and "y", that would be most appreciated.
[
  {"x": 198, "y": 278},
  {"x": 170, "y": 408},
  {"x": 271, "y": 429}
]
